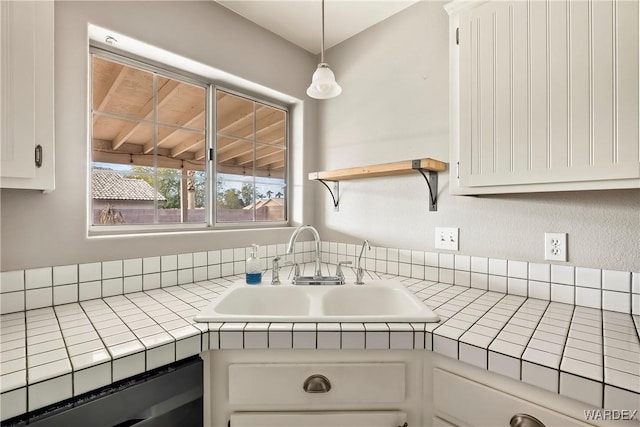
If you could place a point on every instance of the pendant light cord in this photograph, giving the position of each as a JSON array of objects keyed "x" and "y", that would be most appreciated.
[{"x": 322, "y": 40}]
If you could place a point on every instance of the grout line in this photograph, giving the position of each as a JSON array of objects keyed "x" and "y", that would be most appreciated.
[
  {"x": 66, "y": 350},
  {"x": 106, "y": 347}
]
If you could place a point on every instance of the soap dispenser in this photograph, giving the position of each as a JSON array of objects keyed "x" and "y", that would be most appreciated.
[{"x": 254, "y": 267}]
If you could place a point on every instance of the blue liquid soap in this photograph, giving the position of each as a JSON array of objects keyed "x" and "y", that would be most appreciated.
[
  {"x": 253, "y": 278},
  {"x": 254, "y": 267}
]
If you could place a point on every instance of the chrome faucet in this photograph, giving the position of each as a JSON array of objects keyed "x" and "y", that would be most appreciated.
[
  {"x": 359, "y": 269},
  {"x": 316, "y": 236}
]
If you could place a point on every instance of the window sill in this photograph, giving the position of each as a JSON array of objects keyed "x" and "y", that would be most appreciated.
[{"x": 118, "y": 231}]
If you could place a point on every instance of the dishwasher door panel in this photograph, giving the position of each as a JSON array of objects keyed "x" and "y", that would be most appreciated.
[{"x": 170, "y": 397}]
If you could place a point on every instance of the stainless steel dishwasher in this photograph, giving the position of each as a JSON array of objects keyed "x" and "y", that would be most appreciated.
[{"x": 167, "y": 397}]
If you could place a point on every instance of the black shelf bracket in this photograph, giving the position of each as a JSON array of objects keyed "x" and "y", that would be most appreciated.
[
  {"x": 335, "y": 193},
  {"x": 432, "y": 183}
]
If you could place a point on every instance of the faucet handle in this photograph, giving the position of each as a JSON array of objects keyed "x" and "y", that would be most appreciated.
[
  {"x": 296, "y": 266},
  {"x": 339, "y": 268}
]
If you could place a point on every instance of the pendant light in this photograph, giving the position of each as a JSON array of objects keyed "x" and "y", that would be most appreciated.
[{"x": 323, "y": 82}]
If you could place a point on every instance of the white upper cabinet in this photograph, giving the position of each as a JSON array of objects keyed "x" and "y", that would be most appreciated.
[
  {"x": 544, "y": 95},
  {"x": 26, "y": 95}
]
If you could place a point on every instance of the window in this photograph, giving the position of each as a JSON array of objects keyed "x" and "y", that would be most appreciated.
[
  {"x": 250, "y": 160},
  {"x": 151, "y": 150}
]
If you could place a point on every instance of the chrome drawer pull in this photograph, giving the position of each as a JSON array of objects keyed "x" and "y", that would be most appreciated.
[{"x": 317, "y": 384}]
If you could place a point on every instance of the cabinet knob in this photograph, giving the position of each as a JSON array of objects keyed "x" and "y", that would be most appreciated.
[
  {"x": 317, "y": 384},
  {"x": 525, "y": 420}
]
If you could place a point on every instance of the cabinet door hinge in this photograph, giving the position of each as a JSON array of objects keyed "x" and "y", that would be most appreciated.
[
  {"x": 458, "y": 35},
  {"x": 458, "y": 170},
  {"x": 38, "y": 156}
]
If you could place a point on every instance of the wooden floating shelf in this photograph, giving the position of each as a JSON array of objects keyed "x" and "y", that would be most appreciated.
[{"x": 405, "y": 167}]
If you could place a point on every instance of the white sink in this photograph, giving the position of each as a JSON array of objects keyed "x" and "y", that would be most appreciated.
[
  {"x": 375, "y": 301},
  {"x": 264, "y": 301},
  {"x": 378, "y": 301}
]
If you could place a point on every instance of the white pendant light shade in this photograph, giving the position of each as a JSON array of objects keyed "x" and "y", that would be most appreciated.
[{"x": 323, "y": 83}]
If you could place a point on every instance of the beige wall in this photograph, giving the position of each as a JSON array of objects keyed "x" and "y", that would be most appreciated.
[
  {"x": 394, "y": 107},
  {"x": 50, "y": 229}
]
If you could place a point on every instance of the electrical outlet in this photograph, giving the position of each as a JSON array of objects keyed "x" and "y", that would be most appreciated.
[
  {"x": 446, "y": 238},
  {"x": 555, "y": 246}
]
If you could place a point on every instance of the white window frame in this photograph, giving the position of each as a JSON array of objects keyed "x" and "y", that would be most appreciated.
[{"x": 211, "y": 86}]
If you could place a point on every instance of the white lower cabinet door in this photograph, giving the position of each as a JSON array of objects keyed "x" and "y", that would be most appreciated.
[
  {"x": 469, "y": 403},
  {"x": 319, "y": 419}
]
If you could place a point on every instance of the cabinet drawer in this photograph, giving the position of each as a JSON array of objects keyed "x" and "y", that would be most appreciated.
[
  {"x": 351, "y": 383},
  {"x": 474, "y": 404},
  {"x": 319, "y": 419}
]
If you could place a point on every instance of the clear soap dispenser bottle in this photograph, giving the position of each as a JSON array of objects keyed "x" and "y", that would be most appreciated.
[{"x": 254, "y": 267}]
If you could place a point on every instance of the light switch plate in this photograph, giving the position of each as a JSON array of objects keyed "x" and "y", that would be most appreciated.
[{"x": 446, "y": 238}]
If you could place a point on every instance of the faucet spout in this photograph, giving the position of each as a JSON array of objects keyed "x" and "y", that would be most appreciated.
[
  {"x": 316, "y": 237},
  {"x": 359, "y": 269}
]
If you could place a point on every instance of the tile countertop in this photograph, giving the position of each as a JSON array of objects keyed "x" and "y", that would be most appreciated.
[{"x": 55, "y": 353}]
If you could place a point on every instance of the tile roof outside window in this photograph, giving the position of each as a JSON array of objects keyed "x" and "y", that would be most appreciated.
[{"x": 109, "y": 185}]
